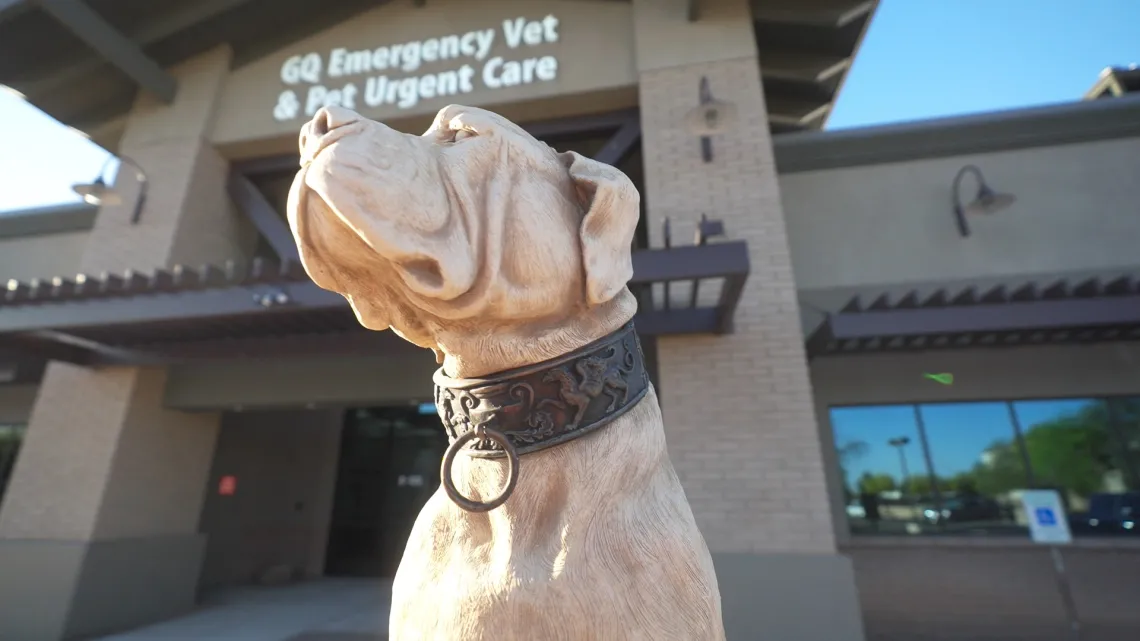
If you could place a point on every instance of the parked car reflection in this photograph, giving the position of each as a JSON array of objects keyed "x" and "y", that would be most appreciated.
[
  {"x": 1109, "y": 513},
  {"x": 966, "y": 509}
]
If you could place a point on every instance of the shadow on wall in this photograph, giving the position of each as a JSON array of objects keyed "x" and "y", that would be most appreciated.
[{"x": 281, "y": 468}]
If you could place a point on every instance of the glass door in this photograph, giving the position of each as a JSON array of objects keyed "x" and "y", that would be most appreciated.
[{"x": 389, "y": 467}]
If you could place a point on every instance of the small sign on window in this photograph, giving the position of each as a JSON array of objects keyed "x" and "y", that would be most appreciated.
[{"x": 227, "y": 485}]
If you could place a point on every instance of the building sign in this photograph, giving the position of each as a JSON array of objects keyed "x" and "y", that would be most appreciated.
[{"x": 394, "y": 75}]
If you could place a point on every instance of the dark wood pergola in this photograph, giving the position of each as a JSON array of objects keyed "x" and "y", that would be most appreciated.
[
  {"x": 269, "y": 309},
  {"x": 1061, "y": 311}
]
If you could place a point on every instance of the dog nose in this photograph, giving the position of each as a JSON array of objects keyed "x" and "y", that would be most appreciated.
[
  {"x": 329, "y": 118},
  {"x": 325, "y": 120}
]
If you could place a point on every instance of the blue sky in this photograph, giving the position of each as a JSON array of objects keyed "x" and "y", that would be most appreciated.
[
  {"x": 930, "y": 58},
  {"x": 957, "y": 433},
  {"x": 920, "y": 59}
]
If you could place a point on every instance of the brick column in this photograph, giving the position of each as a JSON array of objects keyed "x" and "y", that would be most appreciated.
[
  {"x": 99, "y": 526},
  {"x": 738, "y": 409}
]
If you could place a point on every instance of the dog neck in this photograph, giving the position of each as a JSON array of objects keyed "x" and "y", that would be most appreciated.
[
  {"x": 474, "y": 355},
  {"x": 538, "y": 406}
]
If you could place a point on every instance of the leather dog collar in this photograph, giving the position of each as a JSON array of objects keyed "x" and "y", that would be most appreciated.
[{"x": 532, "y": 408}]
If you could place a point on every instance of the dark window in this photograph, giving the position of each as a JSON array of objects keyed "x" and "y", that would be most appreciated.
[
  {"x": 11, "y": 436},
  {"x": 959, "y": 468}
]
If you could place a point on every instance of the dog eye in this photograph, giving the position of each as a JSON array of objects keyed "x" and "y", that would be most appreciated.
[{"x": 460, "y": 134}]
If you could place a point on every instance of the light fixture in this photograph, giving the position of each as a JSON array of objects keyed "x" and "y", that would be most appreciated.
[
  {"x": 709, "y": 117},
  {"x": 985, "y": 202},
  {"x": 99, "y": 192}
]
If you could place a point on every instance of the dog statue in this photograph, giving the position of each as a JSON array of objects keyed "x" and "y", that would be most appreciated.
[{"x": 560, "y": 515}]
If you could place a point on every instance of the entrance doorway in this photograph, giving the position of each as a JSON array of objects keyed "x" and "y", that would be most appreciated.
[{"x": 389, "y": 467}]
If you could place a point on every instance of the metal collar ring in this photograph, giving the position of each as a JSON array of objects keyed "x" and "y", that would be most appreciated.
[{"x": 481, "y": 432}]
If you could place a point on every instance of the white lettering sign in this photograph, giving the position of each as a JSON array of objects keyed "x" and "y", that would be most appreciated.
[{"x": 395, "y": 76}]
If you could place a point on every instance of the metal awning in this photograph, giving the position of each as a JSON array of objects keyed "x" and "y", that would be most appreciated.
[
  {"x": 1063, "y": 311},
  {"x": 274, "y": 309}
]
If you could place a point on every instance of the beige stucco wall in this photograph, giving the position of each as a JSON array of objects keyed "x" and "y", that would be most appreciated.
[
  {"x": 1077, "y": 210},
  {"x": 399, "y": 378},
  {"x": 594, "y": 53},
  {"x": 41, "y": 256}
]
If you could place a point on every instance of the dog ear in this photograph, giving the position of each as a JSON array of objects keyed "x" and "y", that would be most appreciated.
[{"x": 612, "y": 207}]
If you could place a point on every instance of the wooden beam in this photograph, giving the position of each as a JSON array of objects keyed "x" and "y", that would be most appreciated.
[
  {"x": 146, "y": 35},
  {"x": 691, "y": 262},
  {"x": 266, "y": 219},
  {"x": 577, "y": 125},
  {"x": 126, "y": 303},
  {"x": 796, "y": 112},
  {"x": 621, "y": 143},
  {"x": 192, "y": 306},
  {"x": 268, "y": 165},
  {"x": 24, "y": 349},
  {"x": 801, "y": 67},
  {"x": 823, "y": 13},
  {"x": 108, "y": 42},
  {"x": 1039, "y": 315}
]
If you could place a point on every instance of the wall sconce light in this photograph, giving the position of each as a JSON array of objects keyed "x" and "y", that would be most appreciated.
[
  {"x": 985, "y": 202},
  {"x": 100, "y": 193},
  {"x": 710, "y": 117}
]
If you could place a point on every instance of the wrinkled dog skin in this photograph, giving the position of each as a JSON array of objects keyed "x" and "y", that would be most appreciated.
[{"x": 485, "y": 245}]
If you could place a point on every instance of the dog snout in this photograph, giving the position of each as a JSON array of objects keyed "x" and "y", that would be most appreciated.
[
  {"x": 326, "y": 120},
  {"x": 329, "y": 118}
]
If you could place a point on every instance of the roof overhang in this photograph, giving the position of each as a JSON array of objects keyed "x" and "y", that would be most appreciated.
[
  {"x": 1095, "y": 309},
  {"x": 1115, "y": 82},
  {"x": 806, "y": 50},
  {"x": 84, "y": 61},
  {"x": 269, "y": 310}
]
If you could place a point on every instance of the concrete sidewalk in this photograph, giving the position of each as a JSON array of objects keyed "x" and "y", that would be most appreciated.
[{"x": 323, "y": 610}]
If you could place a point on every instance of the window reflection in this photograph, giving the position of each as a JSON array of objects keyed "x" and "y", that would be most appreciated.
[
  {"x": 885, "y": 479},
  {"x": 1083, "y": 449},
  {"x": 979, "y": 466},
  {"x": 955, "y": 468}
]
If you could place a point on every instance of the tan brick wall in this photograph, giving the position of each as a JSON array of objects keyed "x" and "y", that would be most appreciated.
[
  {"x": 738, "y": 409},
  {"x": 57, "y": 485},
  {"x": 188, "y": 218},
  {"x": 102, "y": 458}
]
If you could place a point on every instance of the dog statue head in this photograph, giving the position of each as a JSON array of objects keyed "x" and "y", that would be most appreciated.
[{"x": 472, "y": 237}]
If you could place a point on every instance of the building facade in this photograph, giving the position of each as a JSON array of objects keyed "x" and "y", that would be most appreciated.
[{"x": 855, "y": 389}]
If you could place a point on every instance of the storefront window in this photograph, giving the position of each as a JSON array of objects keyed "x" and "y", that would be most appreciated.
[
  {"x": 11, "y": 436},
  {"x": 959, "y": 468},
  {"x": 1081, "y": 448},
  {"x": 885, "y": 478},
  {"x": 978, "y": 465}
]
